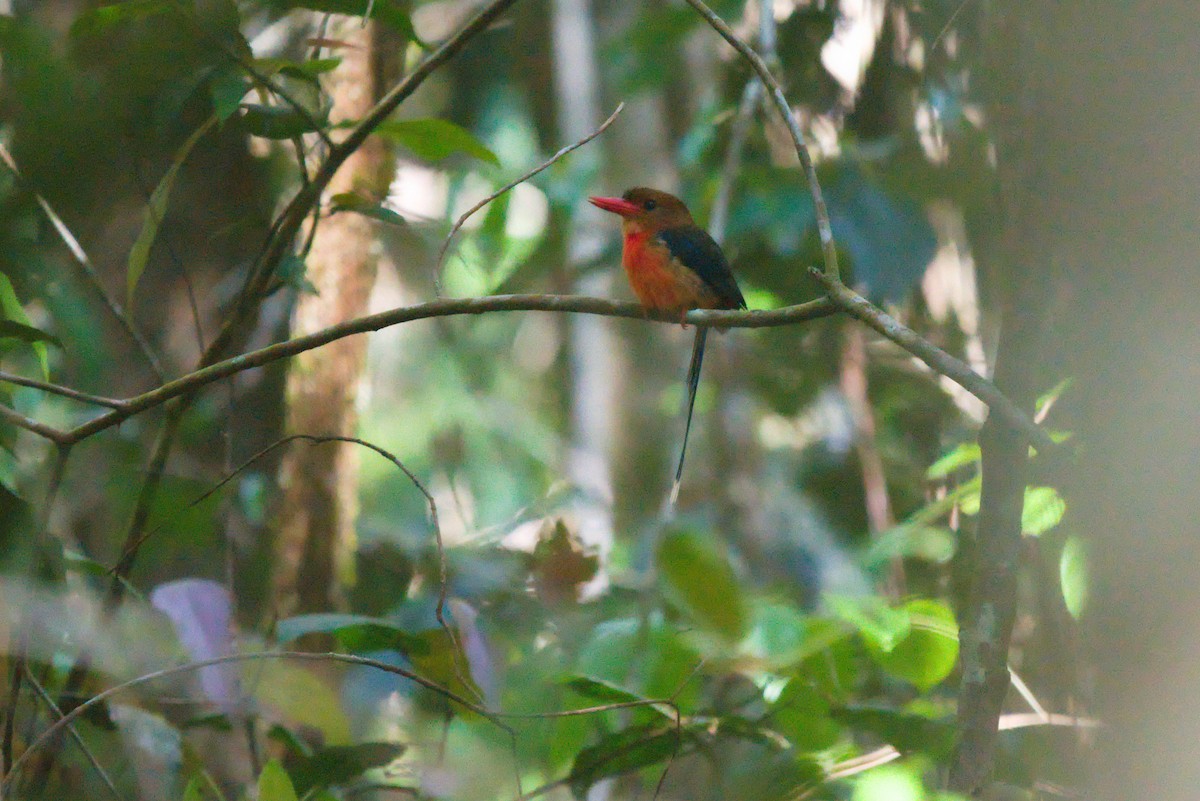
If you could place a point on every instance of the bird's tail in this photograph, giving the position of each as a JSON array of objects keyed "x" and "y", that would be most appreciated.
[{"x": 693, "y": 382}]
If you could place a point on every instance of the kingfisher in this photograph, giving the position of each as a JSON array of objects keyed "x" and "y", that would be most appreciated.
[{"x": 673, "y": 265}]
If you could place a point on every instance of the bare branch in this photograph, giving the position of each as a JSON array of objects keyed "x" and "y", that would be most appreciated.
[
  {"x": 19, "y": 420},
  {"x": 55, "y": 389},
  {"x": 437, "y": 276},
  {"x": 192, "y": 382},
  {"x": 73, "y": 734},
  {"x": 860, "y": 308},
  {"x": 824, "y": 228}
]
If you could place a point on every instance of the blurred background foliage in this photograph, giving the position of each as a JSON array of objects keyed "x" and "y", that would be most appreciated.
[{"x": 799, "y": 610}]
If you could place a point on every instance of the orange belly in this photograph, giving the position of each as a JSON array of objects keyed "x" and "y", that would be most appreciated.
[{"x": 659, "y": 280}]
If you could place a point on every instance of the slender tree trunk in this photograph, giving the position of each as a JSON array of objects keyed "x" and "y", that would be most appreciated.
[{"x": 316, "y": 535}]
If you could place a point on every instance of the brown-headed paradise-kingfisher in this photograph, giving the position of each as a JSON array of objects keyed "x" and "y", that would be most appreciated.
[{"x": 673, "y": 265}]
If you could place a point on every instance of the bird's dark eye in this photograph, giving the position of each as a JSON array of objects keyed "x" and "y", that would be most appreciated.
[{"x": 651, "y": 205}]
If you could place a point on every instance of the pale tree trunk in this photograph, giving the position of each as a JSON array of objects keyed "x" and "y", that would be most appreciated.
[
  {"x": 592, "y": 365},
  {"x": 320, "y": 484}
]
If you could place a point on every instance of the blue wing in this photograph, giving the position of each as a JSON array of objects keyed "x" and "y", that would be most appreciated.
[{"x": 700, "y": 253}]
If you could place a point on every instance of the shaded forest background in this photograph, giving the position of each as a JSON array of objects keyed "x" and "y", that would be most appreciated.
[{"x": 1016, "y": 184}]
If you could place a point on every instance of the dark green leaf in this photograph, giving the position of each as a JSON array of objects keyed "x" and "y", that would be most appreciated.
[
  {"x": 26, "y": 333},
  {"x": 337, "y": 765},
  {"x": 308, "y": 70},
  {"x": 278, "y": 122},
  {"x": 434, "y": 140},
  {"x": 607, "y": 692},
  {"x": 906, "y": 731},
  {"x": 292, "y": 270},
  {"x": 296, "y": 747},
  {"x": 227, "y": 88},
  {"x": 354, "y": 633},
  {"x": 217, "y": 721},
  {"x": 393, "y": 13},
  {"x": 802, "y": 715},
  {"x": 619, "y": 753},
  {"x": 702, "y": 581},
  {"x": 156, "y": 209},
  {"x": 14, "y": 312},
  {"x": 349, "y": 201}
]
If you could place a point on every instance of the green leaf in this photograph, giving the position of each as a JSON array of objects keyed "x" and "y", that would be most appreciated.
[
  {"x": 292, "y": 271},
  {"x": 139, "y": 254},
  {"x": 338, "y": 765},
  {"x": 889, "y": 783},
  {"x": 607, "y": 692},
  {"x": 703, "y": 582},
  {"x": 932, "y": 543},
  {"x": 349, "y": 201},
  {"x": 279, "y": 122},
  {"x": 14, "y": 314},
  {"x": 1043, "y": 510},
  {"x": 803, "y": 716},
  {"x": 625, "y": 751},
  {"x": 1052, "y": 396},
  {"x": 880, "y": 626},
  {"x": 227, "y": 88},
  {"x": 354, "y": 633},
  {"x": 302, "y": 69},
  {"x": 393, "y": 13},
  {"x": 274, "y": 784},
  {"x": 968, "y": 453},
  {"x": 10, "y": 329},
  {"x": 1073, "y": 573},
  {"x": 927, "y": 655},
  {"x": 434, "y": 140}
]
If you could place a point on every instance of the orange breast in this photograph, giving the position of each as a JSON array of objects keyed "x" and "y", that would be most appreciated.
[{"x": 658, "y": 279}]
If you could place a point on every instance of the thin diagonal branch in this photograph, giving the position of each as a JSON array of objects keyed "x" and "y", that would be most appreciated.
[
  {"x": 437, "y": 276},
  {"x": 860, "y": 308},
  {"x": 55, "y": 389},
  {"x": 74, "y": 735},
  {"x": 81, "y": 258},
  {"x": 824, "y": 227}
]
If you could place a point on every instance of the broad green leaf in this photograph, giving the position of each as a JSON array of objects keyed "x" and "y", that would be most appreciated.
[
  {"x": 881, "y": 627},
  {"x": 274, "y": 784},
  {"x": 349, "y": 201},
  {"x": 139, "y": 254},
  {"x": 1043, "y": 510},
  {"x": 354, "y": 633},
  {"x": 778, "y": 636},
  {"x": 1073, "y": 573},
  {"x": 434, "y": 139},
  {"x": 14, "y": 313},
  {"x": 968, "y": 453},
  {"x": 279, "y": 122},
  {"x": 802, "y": 715},
  {"x": 622, "y": 752},
  {"x": 927, "y": 655},
  {"x": 702, "y": 581}
]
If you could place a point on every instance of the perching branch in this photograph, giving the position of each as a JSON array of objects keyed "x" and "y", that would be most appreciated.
[
  {"x": 824, "y": 227},
  {"x": 437, "y": 276}
]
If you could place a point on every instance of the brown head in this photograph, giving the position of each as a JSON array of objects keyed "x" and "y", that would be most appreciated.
[{"x": 647, "y": 209}]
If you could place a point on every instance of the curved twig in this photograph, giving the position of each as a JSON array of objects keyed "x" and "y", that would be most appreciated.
[
  {"x": 437, "y": 275},
  {"x": 824, "y": 227}
]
